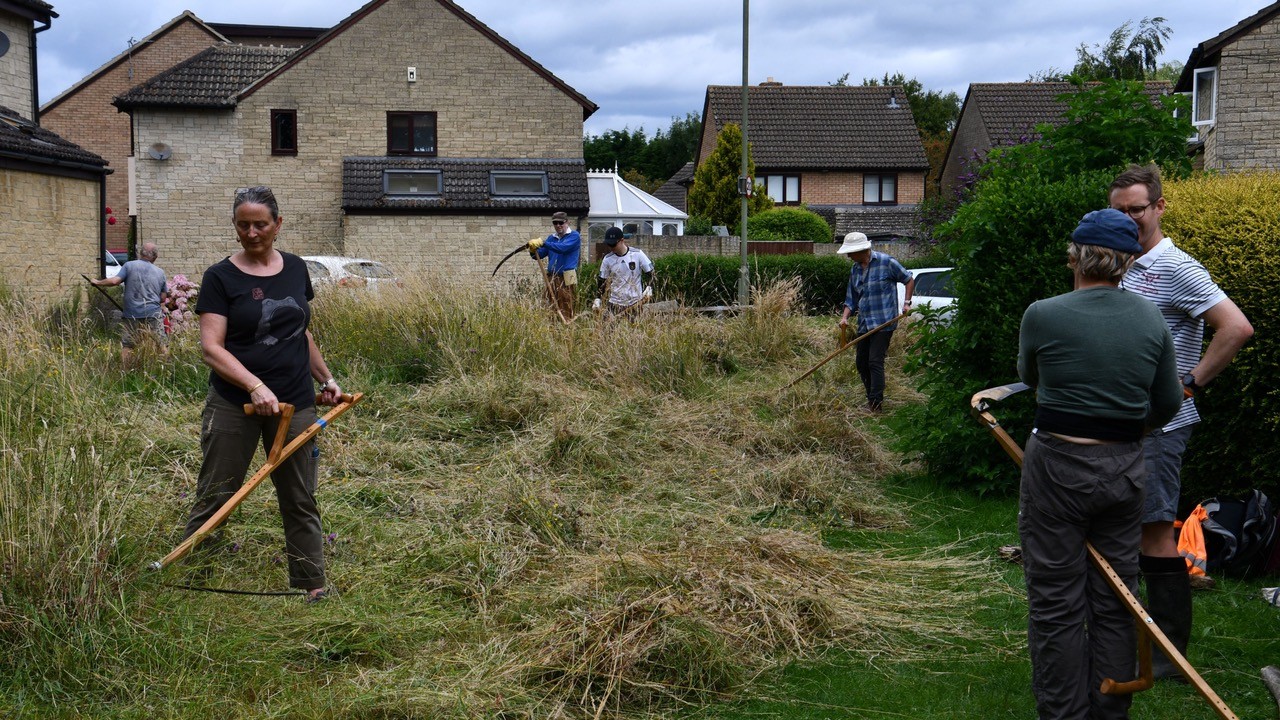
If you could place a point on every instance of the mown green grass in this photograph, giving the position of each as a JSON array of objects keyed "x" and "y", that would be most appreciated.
[{"x": 1235, "y": 635}]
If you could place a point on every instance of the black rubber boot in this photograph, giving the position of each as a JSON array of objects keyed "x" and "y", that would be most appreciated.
[{"x": 1169, "y": 603}]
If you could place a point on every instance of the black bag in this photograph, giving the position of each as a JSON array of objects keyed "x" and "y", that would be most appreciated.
[{"x": 1240, "y": 534}]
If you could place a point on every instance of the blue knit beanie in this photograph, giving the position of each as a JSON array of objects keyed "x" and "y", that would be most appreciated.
[{"x": 1108, "y": 228}]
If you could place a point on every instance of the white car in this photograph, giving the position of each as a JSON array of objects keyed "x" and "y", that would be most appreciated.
[
  {"x": 111, "y": 264},
  {"x": 348, "y": 272},
  {"x": 933, "y": 290}
]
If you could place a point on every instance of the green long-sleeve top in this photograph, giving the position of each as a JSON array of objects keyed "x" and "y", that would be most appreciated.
[{"x": 1102, "y": 361}]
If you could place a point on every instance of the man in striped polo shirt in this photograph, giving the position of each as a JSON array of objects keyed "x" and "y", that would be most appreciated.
[{"x": 1188, "y": 298}]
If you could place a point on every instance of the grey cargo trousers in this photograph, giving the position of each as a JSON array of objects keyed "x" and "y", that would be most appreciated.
[{"x": 1078, "y": 631}]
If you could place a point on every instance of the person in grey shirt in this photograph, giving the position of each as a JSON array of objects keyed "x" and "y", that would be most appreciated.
[
  {"x": 1105, "y": 371},
  {"x": 145, "y": 293}
]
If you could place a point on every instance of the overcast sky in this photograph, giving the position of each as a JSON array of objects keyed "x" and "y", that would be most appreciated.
[{"x": 645, "y": 61}]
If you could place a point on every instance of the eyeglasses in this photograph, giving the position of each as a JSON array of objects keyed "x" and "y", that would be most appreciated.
[
  {"x": 1135, "y": 211},
  {"x": 557, "y": 222}
]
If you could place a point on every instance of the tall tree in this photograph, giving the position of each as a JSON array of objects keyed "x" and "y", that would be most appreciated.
[
  {"x": 670, "y": 149},
  {"x": 714, "y": 193},
  {"x": 1128, "y": 54},
  {"x": 935, "y": 112},
  {"x": 620, "y": 147}
]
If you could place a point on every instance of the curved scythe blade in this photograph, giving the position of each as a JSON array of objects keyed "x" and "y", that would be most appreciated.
[{"x": 508, "y": 257}]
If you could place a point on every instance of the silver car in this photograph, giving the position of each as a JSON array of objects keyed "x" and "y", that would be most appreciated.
[{"x": 348, "y": 272}]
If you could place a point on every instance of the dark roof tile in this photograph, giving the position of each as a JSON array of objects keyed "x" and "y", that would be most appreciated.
[
  {"x": 212, "y": 78},
  {"x": 675, "y": 191},
  {"x": 1010, "y": 111},
  {"x": 465, "y": 185},
  {"x": 19, "y": 137},
  {"x": 822, "y": 127}
]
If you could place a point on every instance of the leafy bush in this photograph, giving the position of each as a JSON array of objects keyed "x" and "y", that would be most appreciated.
[
  {"x": 788, "y": 223},
  {"x": 1230, "y": 224},
  {"x": 713, "y": 280},
  {"x": 698, "y": 225},
  {"x": 1008, "y": 245},
  {"x": 1009, "y": 248}
]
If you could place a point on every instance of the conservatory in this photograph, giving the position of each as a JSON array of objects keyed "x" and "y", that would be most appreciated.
[{"x": 617, "y": 203}]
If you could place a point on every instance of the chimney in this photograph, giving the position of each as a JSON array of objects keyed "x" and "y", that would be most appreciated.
[{"x": 770, "y": 82}]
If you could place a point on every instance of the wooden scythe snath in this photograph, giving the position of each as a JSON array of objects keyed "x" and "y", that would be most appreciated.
[
  {"x": 980, "y": 405},
  {"x": 844, "y": 347},
  {"x": 279, "y": 453}
]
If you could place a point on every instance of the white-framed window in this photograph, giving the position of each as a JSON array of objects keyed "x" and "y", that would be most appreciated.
[
  {"x": 517, "y": 183},
  {"x": 784, "y": 189},
  {"x": 1204, "y": 96},
  {"x": 880, "y": 189},
  {"x": 411, "y": 182}
]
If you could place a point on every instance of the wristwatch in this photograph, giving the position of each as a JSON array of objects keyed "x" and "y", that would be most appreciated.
[{"x": 1189, "y": 385}]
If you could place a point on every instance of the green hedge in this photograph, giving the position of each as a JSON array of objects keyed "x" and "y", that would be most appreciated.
[
  {"x": 1231, "y": 224},
  {"x": 700, "y": 280}
]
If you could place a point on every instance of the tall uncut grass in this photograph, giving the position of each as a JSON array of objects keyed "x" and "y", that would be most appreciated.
[{"x": 523, "y": 520}]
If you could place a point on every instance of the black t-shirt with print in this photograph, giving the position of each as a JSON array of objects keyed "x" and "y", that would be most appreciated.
[{"x": 267, "y": 319}]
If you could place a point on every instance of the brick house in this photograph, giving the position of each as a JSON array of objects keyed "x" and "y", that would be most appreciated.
[
  {"x": 1005, "y": 114},
  {"x": 83, "y": 112},
  {"x": 849, "y": 153},
  {"x": 51, "y": 190},
  {"x": 410, "y": 133},
  {"x": 1234, "y": 83}
]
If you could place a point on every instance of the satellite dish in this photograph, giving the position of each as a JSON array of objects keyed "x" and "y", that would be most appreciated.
[{"x": 160, "y": 151}]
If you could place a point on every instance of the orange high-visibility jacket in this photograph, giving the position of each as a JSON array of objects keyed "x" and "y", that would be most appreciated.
[{"x": 1191, "y": 542}]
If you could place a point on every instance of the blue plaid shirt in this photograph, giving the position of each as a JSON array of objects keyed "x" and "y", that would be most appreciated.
[{"x": 873, "y": 292}]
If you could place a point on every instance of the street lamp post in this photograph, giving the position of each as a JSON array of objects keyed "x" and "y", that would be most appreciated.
[{"x": 744, "y": 181}]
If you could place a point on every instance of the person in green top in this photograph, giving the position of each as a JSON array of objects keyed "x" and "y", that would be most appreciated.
[{"x": 1104, "y": 368}]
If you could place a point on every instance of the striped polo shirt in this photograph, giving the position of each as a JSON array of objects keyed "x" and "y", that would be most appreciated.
[{"x": 1183, "y": 290}]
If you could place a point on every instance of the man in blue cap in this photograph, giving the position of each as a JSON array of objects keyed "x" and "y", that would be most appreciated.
[{"x": 1104, "y": 368}]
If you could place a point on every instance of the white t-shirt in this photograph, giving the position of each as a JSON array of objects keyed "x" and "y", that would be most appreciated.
[
  {"x": 1180, "y": 286},
  {"x": 623, "y": 274}
]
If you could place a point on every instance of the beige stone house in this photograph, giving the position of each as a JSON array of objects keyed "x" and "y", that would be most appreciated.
[
  {"x": 1005, "y": 114},
  {"x": 410, "y": 133},
  {"x": 51, "y": 190},
  {"x": 1234, "y": 83},
  {"x": 849, "y": 153}
]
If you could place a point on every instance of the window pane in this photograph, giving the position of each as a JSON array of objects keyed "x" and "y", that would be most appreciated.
[
  {"x": 793, "y": 188},
  {"x": 774, "y": 187},
  {"x": 1203, "y": 111},
  {"x": 669, "y": 229},
  {"x": 888, "y": 189},
  {"x": 398, "y": 133},
  {"x": 424, "y": 134},
  {"x": 646, "y": 228},
  {"x": 508, "y": 183},
  {"x": 368, "y": 269},
  {"x": 408, "y": 182},
  {"x": 284, "y": 131},
  {"x": 870, "y": 188}
]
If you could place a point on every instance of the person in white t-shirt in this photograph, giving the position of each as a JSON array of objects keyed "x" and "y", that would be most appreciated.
[
  {"x": 1188, "y": 299},
  {"x": 626, "y": 277}
]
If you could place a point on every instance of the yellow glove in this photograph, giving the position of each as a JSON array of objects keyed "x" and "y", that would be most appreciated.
[{"x": 534, "y": 244}]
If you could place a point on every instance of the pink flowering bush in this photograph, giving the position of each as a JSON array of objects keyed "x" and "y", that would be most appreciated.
[{"x": 181, "y": 305}]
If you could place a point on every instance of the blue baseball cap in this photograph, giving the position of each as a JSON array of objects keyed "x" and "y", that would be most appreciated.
[{"x": 1108, "y": 228}]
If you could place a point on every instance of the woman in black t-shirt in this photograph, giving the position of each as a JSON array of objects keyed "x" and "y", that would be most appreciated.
[{"x": 254, "y": 311}]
